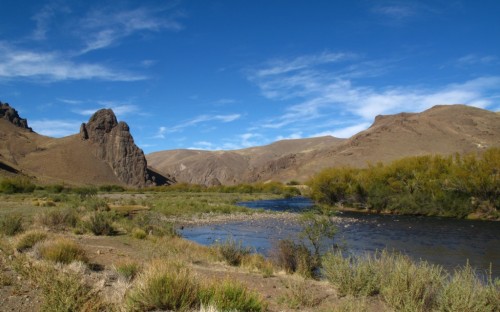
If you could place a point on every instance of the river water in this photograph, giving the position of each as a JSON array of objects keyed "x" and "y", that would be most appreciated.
[{"x": 449, "y": 242}]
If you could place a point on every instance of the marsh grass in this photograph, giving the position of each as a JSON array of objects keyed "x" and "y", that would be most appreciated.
[
  {"x": 228, "y": 295},
  {"x": 257, "y": 262},
  {"x": 127, "y": 269},
  {"x": 29, "y": 239},
  {"x": 100, "y": 223},
  {"x": 169, "y": 285},
  {"x": 294, "y": 258},
  {"x": 406, "y": 285},
  {"x": 465, "y": 292},
  {"x": 298, "y": 295},
  {"x": 58, "y": 218},
  {"x": 61, "y": 250},
  {"x": 11, "y": 224},
  {"x": 231, "y": 251},
  {"x": 164, "y": 286}
]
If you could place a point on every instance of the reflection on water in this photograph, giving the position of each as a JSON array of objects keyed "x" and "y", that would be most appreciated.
[{"x": 448, "y": 242}]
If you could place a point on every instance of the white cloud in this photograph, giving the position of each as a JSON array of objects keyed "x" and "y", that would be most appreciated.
[
  {"x": 55, "y": 128},
  {"x": 47, "y": 67},
  {"x": 346, "y": 132},
  {"x": 203, "y": 119},
  {"x": 396, "y": 11},
  {"x": 317, "y": 94},
  {"x": 474, "y": 59},
  {"x": 295, "y": 135},
  {"x": 106, "y": 27},
  {"x": 118, "y": 108},
  {"x": 161, "y": 133}
]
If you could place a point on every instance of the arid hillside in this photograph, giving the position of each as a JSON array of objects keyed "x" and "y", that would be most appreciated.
[
  {"x": 103, "y": 152},
  {"x": 443, "y": 129}
]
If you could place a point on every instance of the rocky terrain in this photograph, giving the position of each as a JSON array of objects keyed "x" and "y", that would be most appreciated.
[
  {"x": 103, "y": 152},
  {"x": 443, "y": 129}
]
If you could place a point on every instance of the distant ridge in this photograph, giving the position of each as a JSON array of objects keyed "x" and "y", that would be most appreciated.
[
  {"x": 103, "y": 152},
  {"x": 442, "y": 129}
]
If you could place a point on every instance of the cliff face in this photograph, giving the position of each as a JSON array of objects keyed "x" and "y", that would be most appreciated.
[
  {"x": 10, "y": 114},
  {"x": 112, "y": 142}
]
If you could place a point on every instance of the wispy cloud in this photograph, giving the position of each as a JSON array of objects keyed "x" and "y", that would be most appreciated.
[
  {"x": 119, "y": 108},
  {"x": 315, "y": 94},
  {"x": 475, "y": 59},
  {"x": 197, "y": 120},
  {"x": 239, "y": 141},
  {"x": 396, "y": 11},
  {"x": 55, "y": 128},
  {"x": 49, "y": 67},
  {"x": 105, "y": 27}
]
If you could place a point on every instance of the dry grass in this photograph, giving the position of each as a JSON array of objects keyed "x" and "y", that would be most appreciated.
[
  {"x": 29, "y": 239},
  {"x": 61, "y": 250}
]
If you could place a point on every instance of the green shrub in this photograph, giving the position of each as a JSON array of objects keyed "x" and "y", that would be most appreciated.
[
  {"x": 66, "y": 291},
  {"x": 231, "y": 251},
  {"x": 164, "y": 286},
  {"x": 298, "y": 295},
  {"x": 352, "y": 276},
  {"x": 294, "y": 258},
  {"x": 58, "y": 218},
  {"x": 100, "y": 223},
  {"x": 16, "y": 185},
  {"x": 230, "y": 296},
  {"x": 29, "y": 239},
  {"x": 62, "y": 251},
  {"x": 95, "y": 204},
  {"x": 85, "y": 192},
  {"x": 410, "y": 286},
  {"x": 139, "y": 233},
  {"x": 111, "y": 188},
  {"x": 127, "y": 269},
  {"x": 466, "y": 292},
  {"x": 11, "y": 224}
]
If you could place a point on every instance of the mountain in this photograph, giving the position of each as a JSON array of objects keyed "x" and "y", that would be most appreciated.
[
  {"x": 442, "y": 129},
  {"x": 103, "y": 152}
]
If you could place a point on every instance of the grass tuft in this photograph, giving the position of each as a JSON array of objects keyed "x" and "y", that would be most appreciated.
[
  {"x": 231, "y": 251},
  {"x": 127, "y": 269},
  {"x": 100, "y": 223},
  {"x": 11, "y": 224},
  {"x": 164, "y": 286},
  {"x": 62, "y": 250},
  {"x": 29, "y": 239},
  {"x": 230, "y": 296}
]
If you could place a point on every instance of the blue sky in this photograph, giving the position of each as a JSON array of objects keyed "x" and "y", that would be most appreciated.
[{"x": 233, "y": 74}]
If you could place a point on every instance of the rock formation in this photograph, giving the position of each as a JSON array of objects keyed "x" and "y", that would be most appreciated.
[
  {"x": 10, "y": 114},
  {"x": 112, "y": 142}
]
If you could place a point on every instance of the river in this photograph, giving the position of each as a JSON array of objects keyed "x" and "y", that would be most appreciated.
[{"x": 444, "y": 241}]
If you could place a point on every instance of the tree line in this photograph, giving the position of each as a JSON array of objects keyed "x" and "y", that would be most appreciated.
[{"x": 453, "y": 186}]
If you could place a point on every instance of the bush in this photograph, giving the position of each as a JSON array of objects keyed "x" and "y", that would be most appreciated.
[
  {"x": 127, "y": 269},
  {"x": 58, "y": 218},
  {"x": 465, "y": 292},
  {"x": 16, "y": 185},
  {"x": 231, "y": 251},
  {"x": 111, "y": 188},
  {"x": 164, "y": 286},
  {"x": 85, "y": 192},
  {"x": 63, "y": 292},
  {"x": 294, "y": 258},
  {"x": 95, "y": 204},
  {"x": 352, "y": 276},
  {"x": 62, "y": 251},
  {"x": 139, "y": 233},
  {"x": 29, "y": 239},
  {"x": 100, "y": 223},
  {"x": 11, "y": 224},
  {"x": 230, "y": 296}
]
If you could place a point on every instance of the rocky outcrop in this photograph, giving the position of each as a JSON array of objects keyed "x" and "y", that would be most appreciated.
[
  {"x": 9, "y": 113},
  {"x": 112, "y": 142}
]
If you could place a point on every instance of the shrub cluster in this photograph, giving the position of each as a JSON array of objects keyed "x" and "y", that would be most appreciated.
[
  {"x": 62, "y": 251},
  {"x": 410, "y": 286},
  {"x": 171, "y": 286},
  {"x": 231, "y": 251},
  {"x": 430, "y": 185},
  {"x": 16, "y": 185},
  {"x": 11, "y": 224},
  {"x": 271, "y": 187}
]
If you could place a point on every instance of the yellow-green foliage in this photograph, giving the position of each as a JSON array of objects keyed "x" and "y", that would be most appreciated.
[
  {"x": 11, "y": 224},
  {"x": 16, "y": 185},
  {"x": 431, "y": 185},
  {"x": 167, "y": 285},
  {"x": 29, "y": 239},
  {"x": 62, "y": 250}
]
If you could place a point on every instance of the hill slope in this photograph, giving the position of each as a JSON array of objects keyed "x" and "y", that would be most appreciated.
[
  {"x": 103, "y": 153},
  {"x": 444, "y": 129}
]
